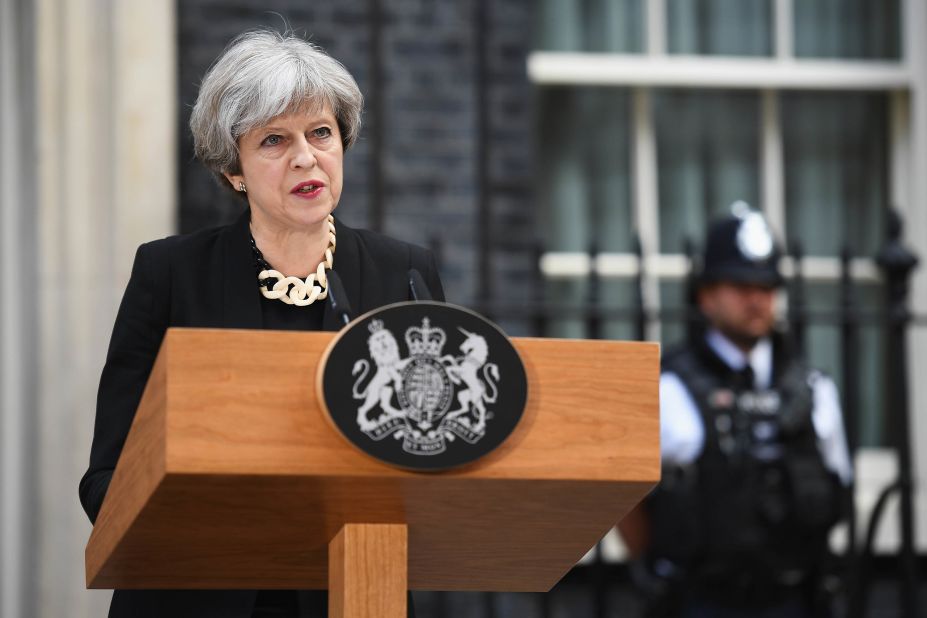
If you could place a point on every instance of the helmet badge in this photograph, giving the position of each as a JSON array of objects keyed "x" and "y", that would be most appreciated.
[{"x": 754, "y": 239}]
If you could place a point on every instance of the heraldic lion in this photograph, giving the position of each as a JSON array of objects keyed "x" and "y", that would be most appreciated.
[{"x": 385, "y": 353}]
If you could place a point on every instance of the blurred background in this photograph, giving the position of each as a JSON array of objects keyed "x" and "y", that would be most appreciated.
[{"x": 561, "y": 156}]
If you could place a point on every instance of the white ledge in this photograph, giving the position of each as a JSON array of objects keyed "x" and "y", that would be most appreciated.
[
  {"x": 579, "y": 265},
  {"x": 601, "y": 69}
]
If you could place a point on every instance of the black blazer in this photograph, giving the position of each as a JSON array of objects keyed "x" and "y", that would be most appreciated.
[{"x": 207, "y": 279}]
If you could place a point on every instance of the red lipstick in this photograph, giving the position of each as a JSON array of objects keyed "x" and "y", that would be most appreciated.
[{"x": 309, "y": 189}]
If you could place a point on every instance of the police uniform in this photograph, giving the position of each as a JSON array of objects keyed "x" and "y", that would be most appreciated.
[
  {"x": 682, "y": 432},
  {"x": 755, "y": 458}
]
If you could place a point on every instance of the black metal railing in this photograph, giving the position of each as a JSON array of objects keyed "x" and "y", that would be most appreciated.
[{"x": 848, "y": 317}]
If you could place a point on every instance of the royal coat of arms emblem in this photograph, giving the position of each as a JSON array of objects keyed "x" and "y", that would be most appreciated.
[{"x": 424, "y": 385}]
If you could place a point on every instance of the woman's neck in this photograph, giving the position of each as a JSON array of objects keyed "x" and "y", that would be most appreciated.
[{"x": 293, "y": 252}]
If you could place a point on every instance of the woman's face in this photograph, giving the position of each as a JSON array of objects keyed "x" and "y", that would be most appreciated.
[{"x": 292, "y": 170}]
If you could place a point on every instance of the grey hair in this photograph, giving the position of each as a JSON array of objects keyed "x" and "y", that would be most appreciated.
[{"x": 260, "y": 75}]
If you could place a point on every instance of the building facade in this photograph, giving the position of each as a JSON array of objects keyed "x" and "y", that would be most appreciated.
[{"x": 559, "y": 155}]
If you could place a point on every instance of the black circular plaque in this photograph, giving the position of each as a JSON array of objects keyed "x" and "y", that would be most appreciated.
[{"x": 424, "y": 385}]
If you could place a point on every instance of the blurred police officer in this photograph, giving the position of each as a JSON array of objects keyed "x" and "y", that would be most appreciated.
[{"x": 754, "y": 454}]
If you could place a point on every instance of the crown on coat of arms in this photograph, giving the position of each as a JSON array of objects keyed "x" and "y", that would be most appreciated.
[{"x": 425, "y": 341}]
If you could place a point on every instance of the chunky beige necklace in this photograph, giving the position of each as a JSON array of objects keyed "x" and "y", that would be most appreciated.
[{"x": 293, "y": 290}]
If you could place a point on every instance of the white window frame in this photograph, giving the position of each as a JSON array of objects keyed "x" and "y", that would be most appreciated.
[{"x": 906, "y": 82}]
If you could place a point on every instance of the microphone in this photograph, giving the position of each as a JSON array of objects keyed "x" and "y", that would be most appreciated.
[
  {"x": 418, "y": 287},
  {"x": 338, "y": 298}
]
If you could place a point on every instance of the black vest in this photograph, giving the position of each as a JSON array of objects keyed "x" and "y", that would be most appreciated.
[{"x": 754, "y": 510}]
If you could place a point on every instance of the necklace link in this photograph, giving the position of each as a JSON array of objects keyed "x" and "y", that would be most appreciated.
[{"x": 293, "y": 290}]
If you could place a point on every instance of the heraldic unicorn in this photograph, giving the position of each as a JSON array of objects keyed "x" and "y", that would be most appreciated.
[{"x": 411, "y": 398}]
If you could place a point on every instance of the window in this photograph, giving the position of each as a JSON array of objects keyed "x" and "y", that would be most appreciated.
[{"x": 655, "y": 116}]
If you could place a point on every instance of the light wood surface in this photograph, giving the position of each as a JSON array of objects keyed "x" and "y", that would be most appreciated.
[
  {"x": 368, "y": 571},
  {"x": 232, "y": 478}
]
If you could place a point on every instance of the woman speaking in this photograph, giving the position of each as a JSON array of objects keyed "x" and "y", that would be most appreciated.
[{"x": 272, "y": 121}]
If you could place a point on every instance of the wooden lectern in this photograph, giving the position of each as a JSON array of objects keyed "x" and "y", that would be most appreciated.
[{"x": 232, "y": 477}]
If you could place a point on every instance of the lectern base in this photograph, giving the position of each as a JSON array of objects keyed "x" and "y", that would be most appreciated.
[{"x": 368, "y": 571}]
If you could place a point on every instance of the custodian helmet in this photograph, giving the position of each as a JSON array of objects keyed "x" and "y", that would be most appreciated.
[{"x": 740, "y": 248}]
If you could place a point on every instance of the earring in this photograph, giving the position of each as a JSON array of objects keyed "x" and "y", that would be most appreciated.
[{"x": 241, "y": 187}]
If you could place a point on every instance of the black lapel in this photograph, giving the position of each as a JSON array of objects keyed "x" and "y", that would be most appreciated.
[
  {"x": 347, "y": 265},
  {"x": 240, "y": 296}
]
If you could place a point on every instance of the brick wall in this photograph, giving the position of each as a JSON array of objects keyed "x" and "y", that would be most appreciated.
[{"x": 430, "y": 148}]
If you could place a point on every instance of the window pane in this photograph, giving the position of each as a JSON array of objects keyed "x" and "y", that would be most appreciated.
[
  {"x": 673, "y": 308},
  {"x": 614, "y": 300},
  {"x": 585, "y": 184},
  {"x": 836, "y": 170},
  {"x": 584, "y": 187},
  {"x": 708, "y": 158},
  {"x": 615, "y": 25},
  {"x": 570, "y": 296},
  {"x": 618, "y": 294},
  {"x": 824, "y": 346},
  {"x": 848, "y": 28},
  {"x": 719, "y": 27},
  {"x": 591, "y": 25}
]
